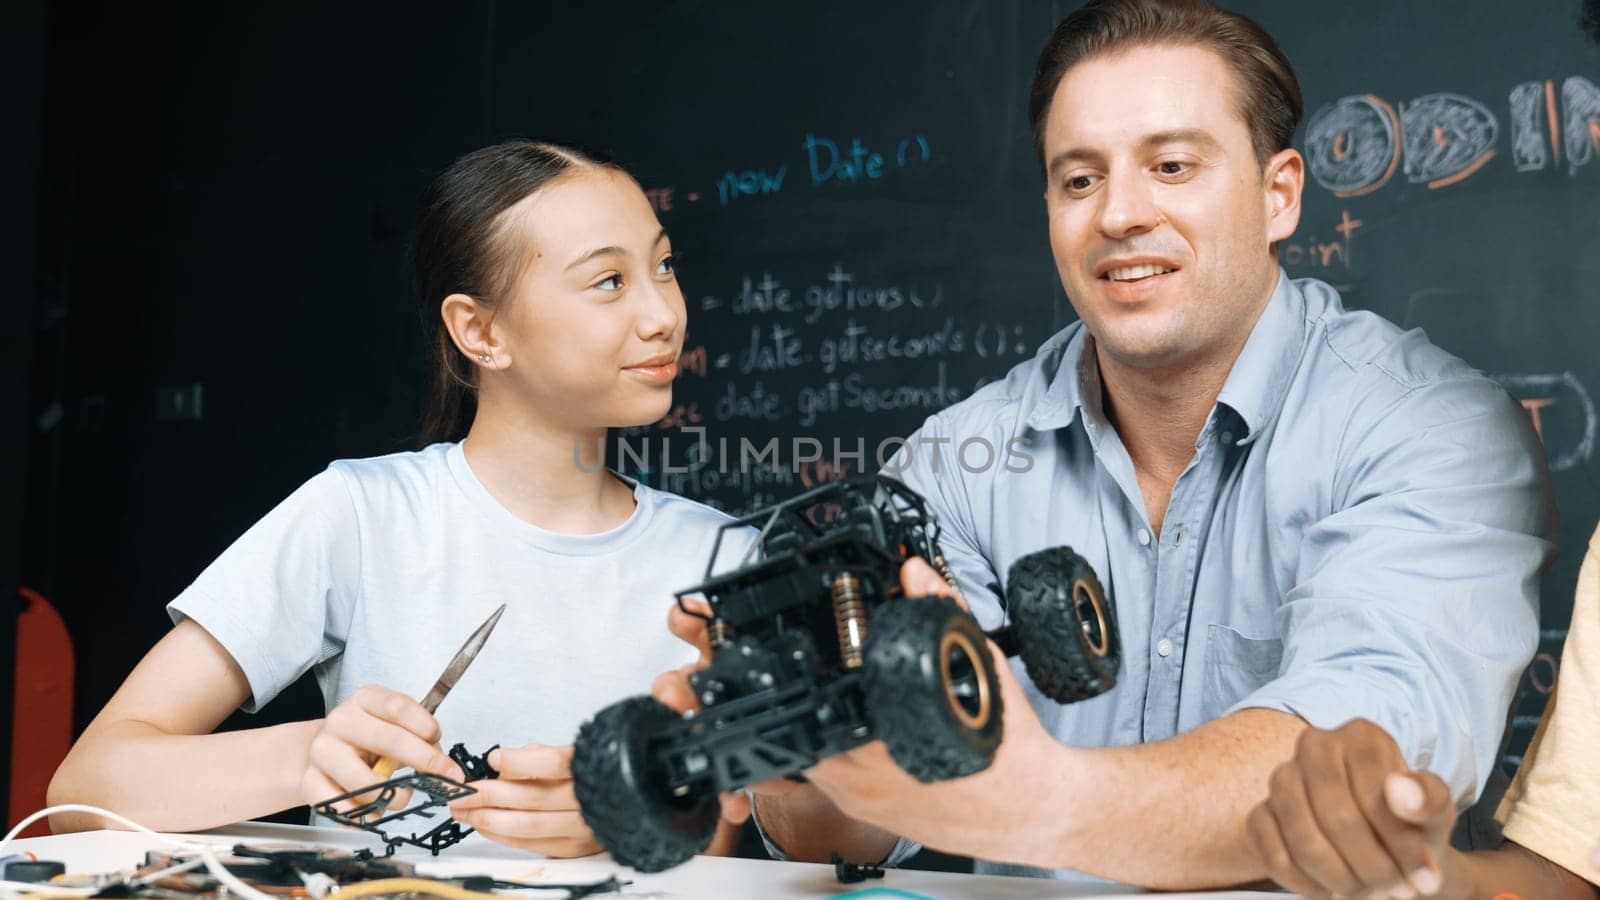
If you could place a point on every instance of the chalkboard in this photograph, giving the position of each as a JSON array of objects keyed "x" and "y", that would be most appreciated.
[
  {"x": 852, "y": 188},
  {"x": 864, "y": 231}
]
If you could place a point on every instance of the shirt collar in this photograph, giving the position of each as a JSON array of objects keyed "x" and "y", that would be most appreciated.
[
  {"x": 1254, "y": 389},
  {"x": 1076, "y": 377},
  {"x": 1260, "y": 376}
]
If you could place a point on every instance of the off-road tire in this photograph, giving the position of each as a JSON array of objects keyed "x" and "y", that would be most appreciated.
[
  {"x": 1063, "y": 624},
  {"x": 932, "y": 734},
  {"x": 629, "y": 811}
]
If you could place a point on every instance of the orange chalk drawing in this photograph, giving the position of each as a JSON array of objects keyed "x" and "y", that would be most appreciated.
[
  {"x": 693, "y": 360},
  {"x": 1347, "y": 226},
  {"x": 680, "y": 416},
  {"x": 1463, "y": 174},
  {"x": 1550, "y": 119},
  {"x": 1533, "y": 405}
]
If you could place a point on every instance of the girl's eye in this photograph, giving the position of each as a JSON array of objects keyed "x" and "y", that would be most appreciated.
[
  {"x": 610, "y": 283},
  {"x": 668, "y": 265}
]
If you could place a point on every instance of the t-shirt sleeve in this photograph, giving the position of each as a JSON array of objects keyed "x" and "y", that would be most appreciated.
[
  {"x": 278, "y": 598},
  {"x": 1553, "y": 805}
]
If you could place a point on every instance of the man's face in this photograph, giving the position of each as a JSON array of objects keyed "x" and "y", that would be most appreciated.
[{"x": 1161, "y": 218}]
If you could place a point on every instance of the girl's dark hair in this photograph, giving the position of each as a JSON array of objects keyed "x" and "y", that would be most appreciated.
[
  {"x": 463, "y": 246},
  {"x": 1269, "y": 98}
]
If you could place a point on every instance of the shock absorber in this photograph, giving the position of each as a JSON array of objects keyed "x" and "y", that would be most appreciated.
[
  {"x": 718, "y": 633},
  {"x": 850, "y": 614},
  {"x": 943, "y": 568}
]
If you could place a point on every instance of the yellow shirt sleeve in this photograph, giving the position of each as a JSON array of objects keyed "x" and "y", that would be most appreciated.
[{"x": 1553, "y": 804}]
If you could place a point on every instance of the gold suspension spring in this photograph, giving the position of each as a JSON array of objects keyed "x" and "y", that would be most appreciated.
[
  {"x": 943, "y": 568},
  {"x": 850, "y": 614}
]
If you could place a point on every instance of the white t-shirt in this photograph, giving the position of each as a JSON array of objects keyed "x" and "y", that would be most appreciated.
[{"x": 376, "y": 570}]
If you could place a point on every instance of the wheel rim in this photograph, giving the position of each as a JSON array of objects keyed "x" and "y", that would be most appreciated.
[
  {"x": 1089, "y": 605},
  {"x": 964, "y": 683}
]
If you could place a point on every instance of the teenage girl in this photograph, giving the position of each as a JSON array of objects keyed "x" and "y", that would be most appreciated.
[{"x": 549, "y": 284}]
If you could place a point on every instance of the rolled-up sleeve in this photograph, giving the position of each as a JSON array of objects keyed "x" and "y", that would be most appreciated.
[{"x": 1415, "y": 602}]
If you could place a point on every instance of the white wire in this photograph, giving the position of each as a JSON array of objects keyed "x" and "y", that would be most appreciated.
[{"x": 207, "y": 853}]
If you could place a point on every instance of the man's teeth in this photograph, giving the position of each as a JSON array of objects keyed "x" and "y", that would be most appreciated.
[{"x": 1132, "y": 272}]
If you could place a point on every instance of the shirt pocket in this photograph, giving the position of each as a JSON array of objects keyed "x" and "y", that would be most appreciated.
[{"x": 1235, "y": 667}]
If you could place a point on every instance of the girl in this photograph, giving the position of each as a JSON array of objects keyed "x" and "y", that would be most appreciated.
[{"x": 557, "y": 315}]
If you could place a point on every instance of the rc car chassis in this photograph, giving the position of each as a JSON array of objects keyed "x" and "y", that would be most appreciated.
[{"x": 815, "y": 651}]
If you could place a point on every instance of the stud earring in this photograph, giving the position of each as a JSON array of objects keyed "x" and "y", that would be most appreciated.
[{"x": 483, "y": 357}]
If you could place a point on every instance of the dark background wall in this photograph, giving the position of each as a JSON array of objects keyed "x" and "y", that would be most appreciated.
[
  {"x": 22, "y": 72},
  {"x": 227, "y": 190}
]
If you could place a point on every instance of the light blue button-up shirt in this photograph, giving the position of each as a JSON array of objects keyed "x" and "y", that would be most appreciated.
[{"x": 1360, "y": 533}]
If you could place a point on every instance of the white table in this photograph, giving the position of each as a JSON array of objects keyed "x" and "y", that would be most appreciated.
[{"x": 102, "y": 851}]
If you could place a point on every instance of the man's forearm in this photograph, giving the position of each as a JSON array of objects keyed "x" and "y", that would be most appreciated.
[
  {"x": 182, "y": 782},
  {"x": 808, "y": 827},
  {"x": 1170, "y": 814},
  {"x": 1513, "y": 871}
]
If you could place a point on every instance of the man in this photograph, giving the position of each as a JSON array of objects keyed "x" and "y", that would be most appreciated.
[
  {"x": 1302, "y": 514},
  {"x": 1346, "y": 817}
]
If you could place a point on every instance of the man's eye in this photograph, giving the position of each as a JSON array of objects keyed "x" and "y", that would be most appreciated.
[
  {"x": 1079, "y": 183},
  {"x": 1171, "y": 167},
  {"x": 610, "y": 283}
]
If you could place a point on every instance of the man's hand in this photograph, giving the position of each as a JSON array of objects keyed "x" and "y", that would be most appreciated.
[
  {"x": 531, "y": 806},
  {"x": 672, "y": 688},
  {"x": 975, "y": 815},
  {"x": 978, "y": 815},
  {"x": 1347, "y": 818}
]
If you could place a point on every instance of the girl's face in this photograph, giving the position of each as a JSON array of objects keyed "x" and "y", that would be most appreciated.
[{"x": 594, "y": 324}]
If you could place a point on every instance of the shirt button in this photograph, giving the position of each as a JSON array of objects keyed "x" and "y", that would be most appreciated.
[
  {"x": 1227, "y": 437},
  {"x": 1163, "y": 648},
  {"x": 1177, "y": 535},
  {"x": 1144, "y": 538}
]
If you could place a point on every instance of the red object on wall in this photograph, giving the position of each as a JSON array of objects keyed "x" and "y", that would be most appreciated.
[{"x": 41, "y": 728}]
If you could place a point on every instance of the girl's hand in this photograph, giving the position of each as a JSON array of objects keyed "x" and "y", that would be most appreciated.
[
  {"x": 531, "y": 806},
  {"x": 374, "y": 722}
]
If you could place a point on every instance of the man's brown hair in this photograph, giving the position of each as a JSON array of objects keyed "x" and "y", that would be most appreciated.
[{"x": 1269, "y": 99}]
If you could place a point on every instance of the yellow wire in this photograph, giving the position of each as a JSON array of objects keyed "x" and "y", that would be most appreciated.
[{"x": 409, "y": 886}]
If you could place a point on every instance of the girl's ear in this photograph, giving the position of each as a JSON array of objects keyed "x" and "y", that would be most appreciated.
[{"x": 471, "y": 327}]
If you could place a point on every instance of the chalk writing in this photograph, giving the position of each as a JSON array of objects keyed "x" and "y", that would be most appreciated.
[
  {"x": 852, "y": 392},
  {"x": 1543, "y": 394},
  {"x": 770, "y": 349},
  {"x": 838, "y": 291},
  {"x": 1310, "y": 252},
  {"x": 857, "y": 162},
  {"x": 1533, "y": 125},
  {"x": 829, "y": 163},
  {"x": 1581, "y": 99},
  {"x": 692, "y": 361},
  {"x": 750, "y": 183},
  {"x": 1447, "y": 138},
  {"x": 1354, "y": 144}
]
